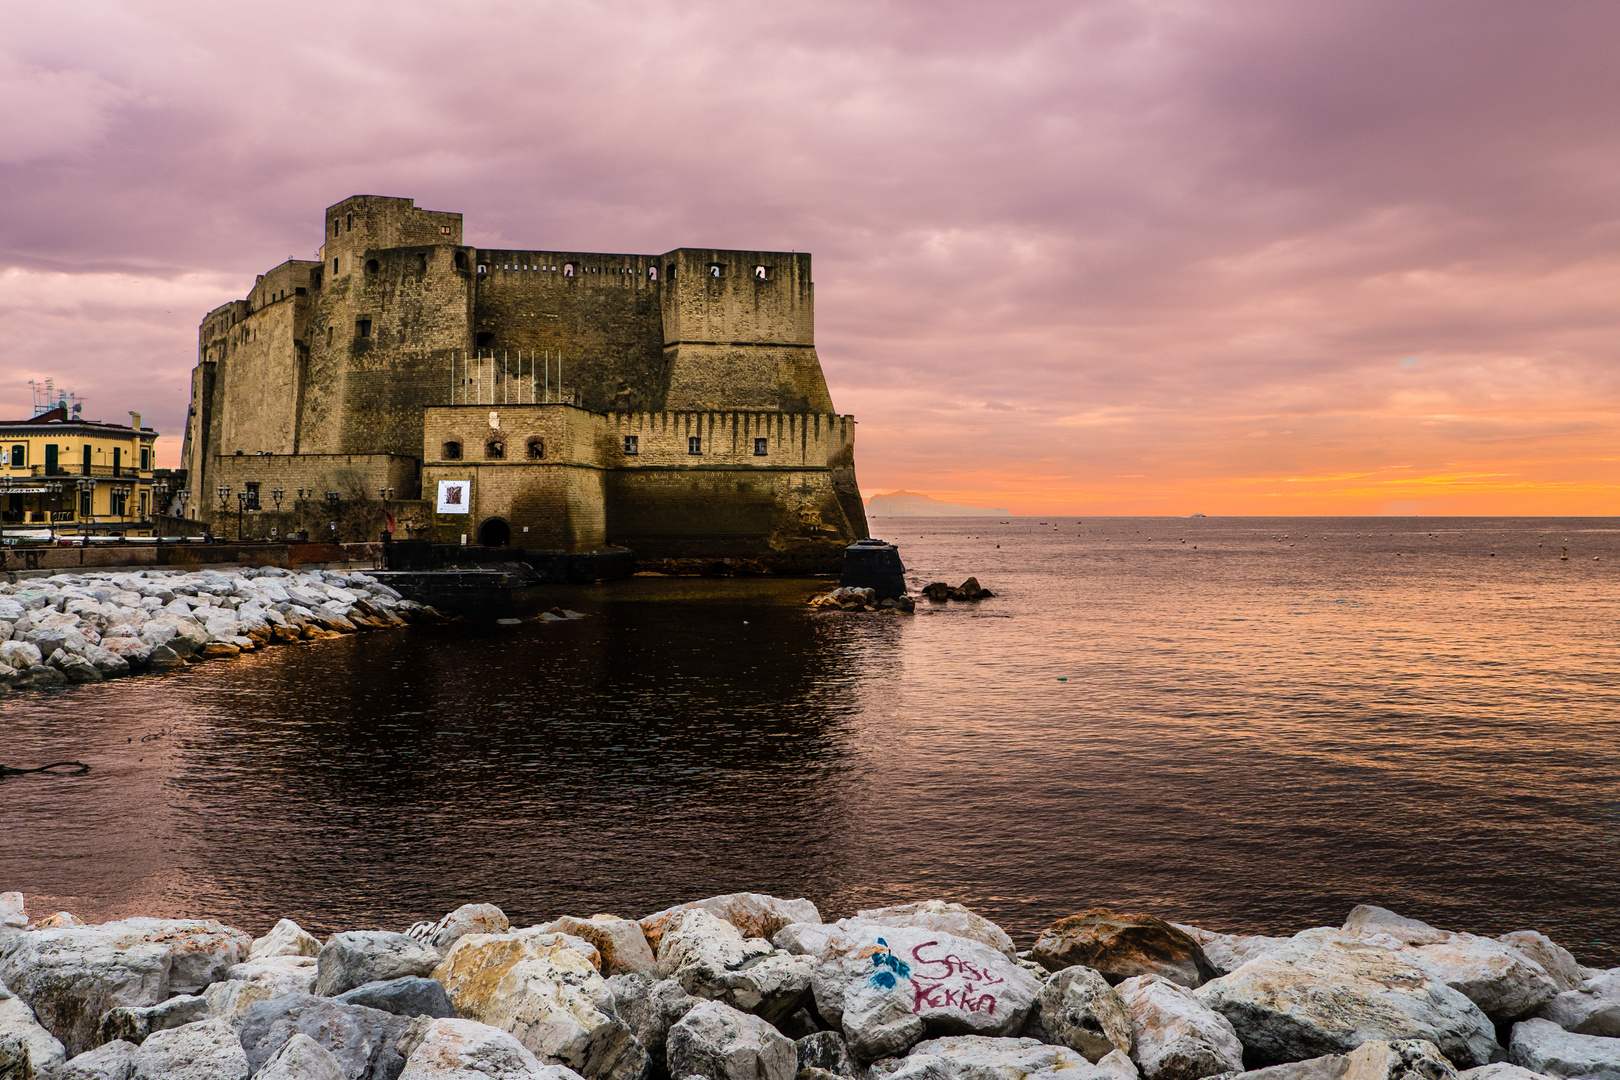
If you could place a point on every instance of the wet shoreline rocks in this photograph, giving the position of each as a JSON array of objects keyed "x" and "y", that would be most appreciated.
[
  {"x": 86, "y": 627},
  {"x": 753, "y": 987}
]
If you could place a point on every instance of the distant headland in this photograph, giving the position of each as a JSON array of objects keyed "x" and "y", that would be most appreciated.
[{"x": 916, "y": 504}]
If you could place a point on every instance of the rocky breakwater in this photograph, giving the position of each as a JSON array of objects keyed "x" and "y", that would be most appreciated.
[
  {"x": 83, "y": 628},
  {"x": 855, "y": 598},
  {"x": 752, "y": 987}
]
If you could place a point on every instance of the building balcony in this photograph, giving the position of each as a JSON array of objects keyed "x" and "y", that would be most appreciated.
[{"x": 123, "y": 472}]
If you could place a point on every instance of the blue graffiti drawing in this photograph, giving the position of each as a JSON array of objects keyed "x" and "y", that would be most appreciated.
[{"x": 887, "y": 967}]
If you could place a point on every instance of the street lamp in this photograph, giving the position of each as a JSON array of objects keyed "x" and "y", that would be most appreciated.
[
  {"x": 87, "y": 506},
  {"x": 277, "y": 494}
]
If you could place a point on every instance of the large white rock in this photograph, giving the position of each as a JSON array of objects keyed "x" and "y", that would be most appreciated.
[
  {"x": 649, "y": 1007},
  {"x": 1324, "y": 993},
  {"x": 547, "y": 994},
  {"x": 711, "y": 959},
  {"x": 889, "y": 986},
  {"x": 1498, "y": 978},
  {"x": 466, "y": 919},
  {"x": 12, "y": 913},
  {"x": 1228, "y": 952},
  {"x": 301, "y": 1058},
  {"x": 977, "y": 1057},
  {"x": 755, "y": 914},
  {"x": 1382, "y": 926},
  {"x": 249, "y": 983},
  {"x": 1174, "y": 1036},
  {"x": 286, "y": 938},
  {"x": 364, "y": 1041},
  {"x": 718, "y": 1042},
  {"x": 953, "y": 919},
  {"x": 356, "y": 957},
  {"x": 1078, "y": 1009},
  {"x": 455, "y": 1049},
  {"x": 32, "y": 1044},
  {"x": 1584, "y": 1013},
  {"x": 109, "y": 1061},
  {"x": 621, "y": 942},
  {"x": 1554, "y": 959},
  {"x": 1544, "y": 1047},
  {"x": 70, "y": 976},
  {"x": 1501, "y": 1070},
  {"x": 206, "y": 1050},
  {"x": 1404, "y": 1059}
]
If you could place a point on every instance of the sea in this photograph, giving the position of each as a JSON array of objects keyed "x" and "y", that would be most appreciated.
[{"x": 1250, "y": 724}]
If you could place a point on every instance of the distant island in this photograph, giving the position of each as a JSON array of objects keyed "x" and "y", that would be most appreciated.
[{"x": 916, "y": 504}]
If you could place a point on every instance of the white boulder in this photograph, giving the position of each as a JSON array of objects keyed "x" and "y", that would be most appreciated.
[
  {"x": 249, "y": 983},
  {"x": 206, "y": 1050},
  {"x": 356, "y": 957},
  {"x": 301, "y": 1058},
  {"x": 1404, "y": 1059},
  {"x": 455, "y": 1049},
  {"x": 1554, "y": 959},
  {"x": 623, "y": 946},
  {"x": 1325, "y": 993},
  {"x": 548, "y": 995},
  {"x": 1078, "y": 1009},
  {"x": 755, "y": 914},
  {"x": 1382, "y": 926},
  {"x": 29, "y": 1046},
  {"x": 719, "y": 1042},
  {"x": 887, "y": 987},
  {"x": 1174, "y": 1036},
  {"x": 1544, "y": 1047},
  {"x": 286, "y": 938},
  {"x": 109, "y": 1061},
  {"x": 1498, "y": 978},
  {"x": 977, "y": 1057},
  {"x": 953, "y": 919},
  {"x": 711, "y": 959},
  {"x": 466, "y": 919}
]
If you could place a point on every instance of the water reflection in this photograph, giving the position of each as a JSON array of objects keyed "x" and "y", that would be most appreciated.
[{"x": 1255, "y": 732}]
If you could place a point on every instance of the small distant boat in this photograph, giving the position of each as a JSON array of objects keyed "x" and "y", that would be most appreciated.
[
  {"x": 1565, "y": 556},
  {"x": 1200, "y": 515}
]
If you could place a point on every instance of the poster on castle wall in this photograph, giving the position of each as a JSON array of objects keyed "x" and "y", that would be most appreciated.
[{"x": 455, "y": 496}]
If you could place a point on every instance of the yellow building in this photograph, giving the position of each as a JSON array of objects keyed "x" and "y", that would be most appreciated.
[{"x": 75, "y": 475}]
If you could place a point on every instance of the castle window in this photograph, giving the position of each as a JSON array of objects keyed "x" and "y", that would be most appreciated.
[
  {"x": 444, "y": 230},
  {"x": 483, "y": 268},
  {"x": 371, "y": 266},
  {"x": 763, "y": 273},
  {"x": 461, "y": 260},
  {"x": 362, "y": 328},
  {"x": 694, "y": 444},
  {"x": 329, "y": 335},
  {"x": 537, "y": 448},
  {"x": 716, "y": 270},
  {"x": 334, "y": 266},
  {"x": 300, "y": 291},
  {"x": 334, "y": 226},
  {"x": 652, "y": 273},
  {"x": 759, "y": 448},
  {"x": 632, "y": 444},
  {"x": 421, "y": 262},
  {"x": 495, "y": 450},
  {"x": 669, "y": 272},
  {"x": 348, "y": 224},
  {"x": 452, "y": 451},
  {"x": 486, "y": 339},
  {"x": 568, "y": 269}
]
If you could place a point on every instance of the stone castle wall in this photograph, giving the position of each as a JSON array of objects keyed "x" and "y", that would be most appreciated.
[{"x": 346, "y": 356}]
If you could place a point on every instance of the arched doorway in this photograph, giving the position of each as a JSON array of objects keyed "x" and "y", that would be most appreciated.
[{"x": 494, "y": 532}]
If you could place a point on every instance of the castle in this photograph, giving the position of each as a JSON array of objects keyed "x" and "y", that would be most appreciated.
[{"x": 567, "y": 401}]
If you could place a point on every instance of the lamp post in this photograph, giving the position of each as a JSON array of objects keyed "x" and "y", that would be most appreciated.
[
  {"x": 276, "y": 495},
  {"x": 87, "y": 506},
  {"x": 332, "y": 498},
  {"x": 241, "y": 509},
  {"x": 224, "y": 493},
  {"x": 184, "y": 495}
]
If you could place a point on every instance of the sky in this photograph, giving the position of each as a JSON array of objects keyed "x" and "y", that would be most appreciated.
[{"x": 1118, "y": 257}]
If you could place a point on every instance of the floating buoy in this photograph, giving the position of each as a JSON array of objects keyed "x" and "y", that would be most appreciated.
[{"x": 1565, "y": 556}]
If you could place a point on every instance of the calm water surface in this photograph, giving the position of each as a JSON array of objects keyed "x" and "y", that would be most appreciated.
[{"x": 1251, "y": 724}]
